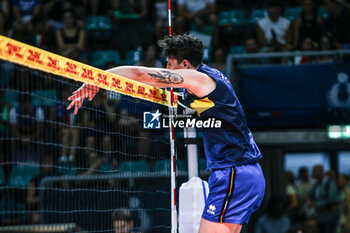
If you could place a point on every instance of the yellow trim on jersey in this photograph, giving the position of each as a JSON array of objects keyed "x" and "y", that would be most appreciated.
[{"x": 202, "y": 105}]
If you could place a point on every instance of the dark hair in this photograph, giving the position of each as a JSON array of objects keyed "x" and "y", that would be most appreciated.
[
  {"x": 37, "y": 19},
  {"x": 303, "y": 169},
  {"x": 181, "y": 47},
  {"x": 330, "y": 39},
  {"x": 72, "y": 12},
  {"x": 274, "y": 3},
  {"x": 122, "y": 215},
  {"x": 289, "y": 176}
]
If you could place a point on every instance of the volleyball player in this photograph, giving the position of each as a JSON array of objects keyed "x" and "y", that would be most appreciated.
[{"x": 237, "y": 183}]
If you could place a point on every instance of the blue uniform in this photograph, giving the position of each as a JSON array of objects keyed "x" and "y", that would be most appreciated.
[{"x": 237, "y": 183}]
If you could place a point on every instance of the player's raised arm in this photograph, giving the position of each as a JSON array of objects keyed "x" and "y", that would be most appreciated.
[
  {"x": 184, "y": 56},
  {"x": 195, "y": 82}
]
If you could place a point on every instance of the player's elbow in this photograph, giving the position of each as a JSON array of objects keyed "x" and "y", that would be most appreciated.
[{"x": 137, "y": 72}]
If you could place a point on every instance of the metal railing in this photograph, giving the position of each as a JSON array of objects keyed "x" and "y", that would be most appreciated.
[{"x": 231, "y": 58}]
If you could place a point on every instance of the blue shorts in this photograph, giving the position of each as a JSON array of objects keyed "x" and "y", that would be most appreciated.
[{"x": 235, "y": 193}]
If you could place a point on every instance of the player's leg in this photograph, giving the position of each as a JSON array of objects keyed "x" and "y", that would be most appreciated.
[
  {"x": 215, "y": 227},
  {"x": 235, "y": 193}
]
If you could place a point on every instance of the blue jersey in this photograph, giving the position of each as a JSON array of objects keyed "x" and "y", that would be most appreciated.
[{"x": 233, "y": 143}]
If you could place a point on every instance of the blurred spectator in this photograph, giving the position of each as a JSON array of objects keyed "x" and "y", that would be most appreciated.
[
  {"x": 94, "y": 161},
  {"x": 97, "y": 7},
  {"x": 251, "y": 46},
  {"x": 4, "y": 25},
  {"x": 200, "y": 12},
  {"x": 86, "y": 135},
  {"x": 149, "y": 57},
  {"x": 324, "y": 198},
  {"x": 71, "y": 38},
  {"x": 295, "y": 211},
  {"x": 105, "y": 122},
  {"x": 274, "y": 30},
  {"x": 332, "y": 175},
  {"x": 24, "y": 11},
  {"x": 52, "y": 9},
  {"x": 142, "y": 219},
  {"x": 138, "y": 7},
  {"x": 326, "y": 44},
  {"x": 86, "y": 125},
  {"x": 50, "y": 132},
  {"x": 131, "y": 24},
  {"x": 122, "y": 221},
  {"x": 337, "y": 23},
  {"x": 69, "y": 134},
  {"x": 304, "y": 186},
  {"x": 311, "y": 226},
  {"x": 296, "y": 229},
  {"x": 4, "y": 118},
  {"x": 276, "y": 220},
  {"x": 47, "y": 169},
  {"x": 129, "y": 121},
  {"x": 219, "y": 59},
  {"x": 291, "y": 191},
  {"x": 40, "y": 34},
  {"x": 5, "y": 7},
  {"x": 344, "y": 206},
  {"x": 306, "y": 45},
  {"x": 308, "y": 24},
  {"x": 161, "y": 13},
  {"x": 26, "y": 120}
]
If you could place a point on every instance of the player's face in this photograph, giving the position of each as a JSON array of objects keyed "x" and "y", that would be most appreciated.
[{"x": 173, "y": 64}]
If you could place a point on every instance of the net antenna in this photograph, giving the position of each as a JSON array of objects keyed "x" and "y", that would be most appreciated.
[{"x": 172, "y": 145}]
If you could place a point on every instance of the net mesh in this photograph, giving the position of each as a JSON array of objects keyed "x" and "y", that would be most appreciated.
[{"x": 75, "y": 171}]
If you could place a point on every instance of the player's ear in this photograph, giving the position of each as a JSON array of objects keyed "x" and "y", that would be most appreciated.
[{"x": 187, "y": 64}]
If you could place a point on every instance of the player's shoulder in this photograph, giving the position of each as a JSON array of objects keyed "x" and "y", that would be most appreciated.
[{"x": 212, "y": 72}]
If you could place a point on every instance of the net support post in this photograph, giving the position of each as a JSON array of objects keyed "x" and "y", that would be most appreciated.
[
  {"x": 190, "y": 135},
  {"x": 173, "y": 164}
]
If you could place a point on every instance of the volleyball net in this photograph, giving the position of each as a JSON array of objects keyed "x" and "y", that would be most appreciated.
[{"x": 62, "y": 172}]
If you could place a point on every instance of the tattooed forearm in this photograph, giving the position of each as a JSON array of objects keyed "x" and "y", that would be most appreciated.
[{"x": 167, "y": 77}]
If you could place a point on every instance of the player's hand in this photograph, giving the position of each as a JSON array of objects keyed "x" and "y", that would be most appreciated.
[{"x": 85, "y": 91}]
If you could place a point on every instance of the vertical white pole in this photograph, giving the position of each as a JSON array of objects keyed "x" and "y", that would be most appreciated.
[
  {"x": 173, "y": 165},
  {"x": 172, "y": 147},
  {"x": 190, "y": 135}
]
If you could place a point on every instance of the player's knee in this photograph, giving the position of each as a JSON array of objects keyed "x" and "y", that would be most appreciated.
[{"x": 215, "y": 227}]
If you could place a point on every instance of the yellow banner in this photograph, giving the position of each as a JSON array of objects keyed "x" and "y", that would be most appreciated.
[{"x": 35, "y": 58}]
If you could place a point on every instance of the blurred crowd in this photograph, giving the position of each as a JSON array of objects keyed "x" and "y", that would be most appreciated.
[
  {"x": 114, "y": 32},
  {"x": 80, "y": 28},
  {"x": 39, "y": 138},
  {"x": 312, "y": 204}
]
